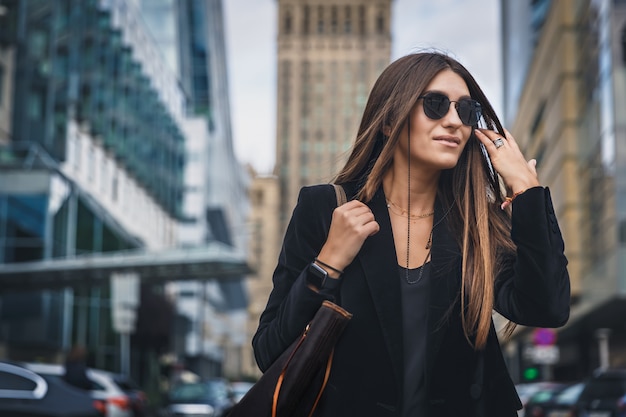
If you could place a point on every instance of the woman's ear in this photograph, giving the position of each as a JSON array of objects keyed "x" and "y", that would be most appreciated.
[{"x": 387, "y": 130}]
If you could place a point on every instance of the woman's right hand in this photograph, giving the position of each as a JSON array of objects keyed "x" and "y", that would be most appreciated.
[{"x": 351, "y": 224}]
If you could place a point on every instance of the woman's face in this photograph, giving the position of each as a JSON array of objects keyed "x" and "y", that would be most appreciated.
[{"x": 437, "y": 144}]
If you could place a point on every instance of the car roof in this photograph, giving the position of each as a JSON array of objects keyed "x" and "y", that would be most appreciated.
[
  {"x": 41, "y": 385},
  {"x": 102, "y": 377},
  {"x": 44, "y": 368}
]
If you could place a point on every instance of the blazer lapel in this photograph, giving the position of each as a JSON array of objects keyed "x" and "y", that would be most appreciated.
[{"x": 378, "y": 259}]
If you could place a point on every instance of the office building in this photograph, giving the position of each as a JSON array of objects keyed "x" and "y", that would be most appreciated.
[
  {"x": 566, "y": 100},
  {"x": 93, "y": 165},
  {"x": 262, "y": 257},
  {"x": 191, "y": 37},
  {"x": 93, "y": 161},
  {"x": 329, "y": 55}
]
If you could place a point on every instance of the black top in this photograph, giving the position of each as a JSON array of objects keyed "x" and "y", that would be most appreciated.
[{"x": 414, "y": 289}]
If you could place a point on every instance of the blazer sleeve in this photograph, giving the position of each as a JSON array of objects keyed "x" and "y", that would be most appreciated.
[
  {"x": 533, "y": 288},
  {"x": 292, "y": 304}
]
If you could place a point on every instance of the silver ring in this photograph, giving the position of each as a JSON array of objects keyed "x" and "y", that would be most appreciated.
[{"x": 498, "y": 142}]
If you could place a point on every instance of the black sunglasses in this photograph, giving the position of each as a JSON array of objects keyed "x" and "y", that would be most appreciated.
[{"x": 436, "y": 105}]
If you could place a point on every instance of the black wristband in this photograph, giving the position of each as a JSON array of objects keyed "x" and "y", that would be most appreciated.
[{"x": 339, "y": 271}]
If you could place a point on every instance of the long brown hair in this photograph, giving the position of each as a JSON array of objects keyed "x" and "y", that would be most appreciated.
[{"x": 472, "y": 189}]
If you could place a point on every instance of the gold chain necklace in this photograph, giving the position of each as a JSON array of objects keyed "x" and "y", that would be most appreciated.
[{"x": 405, "y": 213}]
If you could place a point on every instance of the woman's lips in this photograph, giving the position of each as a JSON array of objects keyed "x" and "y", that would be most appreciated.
[{"x": 449, "y": 140}]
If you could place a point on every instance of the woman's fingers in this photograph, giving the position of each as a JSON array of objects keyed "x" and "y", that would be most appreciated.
[
  {"x": 511, "y": 140},
  {"x": 532, "y": 164},
  {"x": 351, "y": 224},
  {"x": 354, "y": 213},
  {"x": 508, "y": 160}
]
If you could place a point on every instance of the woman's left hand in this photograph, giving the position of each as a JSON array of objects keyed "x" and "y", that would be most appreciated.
[{"x": 506, "y": 157}]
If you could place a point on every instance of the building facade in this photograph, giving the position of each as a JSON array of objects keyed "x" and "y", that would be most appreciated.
[
  {"x": 94, "y": 158},
  {"x": 568, "y": 110},
  {"x": 191, "y": 36},
  {"x": 92, "y": 163},
  {"x": 262, "y": 257},
  {"x": 329, "y": 55}
]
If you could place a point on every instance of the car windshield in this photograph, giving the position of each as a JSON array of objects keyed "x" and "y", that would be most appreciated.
[
  {"x": 570, "y": 394},
  {"x": 543, "y": 396},
  {"x": 605, "y": 388},
  {"x": 198, "y": 391}
]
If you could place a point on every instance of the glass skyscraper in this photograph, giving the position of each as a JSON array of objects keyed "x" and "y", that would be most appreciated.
[
  {"x": 191, "y": 36},
  {"x": 92, "y": 161}
]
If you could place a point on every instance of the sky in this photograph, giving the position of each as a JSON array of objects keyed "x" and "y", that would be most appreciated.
[{"x": 466, "y": 29}]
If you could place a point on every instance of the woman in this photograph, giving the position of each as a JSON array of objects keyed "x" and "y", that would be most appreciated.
[{"x": 426, "y": 249}]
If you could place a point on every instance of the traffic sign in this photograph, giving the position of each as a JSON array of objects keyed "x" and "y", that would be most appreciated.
[
  {"x": 544, "y": 337},
  {"x": 542, "y": 355}
]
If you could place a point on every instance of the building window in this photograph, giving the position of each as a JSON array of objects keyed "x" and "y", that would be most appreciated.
[
  {"x": 347, "y": 25},
  {"x": 91, "y": 163},
  {"x": 257, "y": 198},
  {"x": 320, "y": 20},
  {"x": 114, "y": 186},
  {"x": 538, "y": 120},
  {"x": 362, "y": 20},
  {"x": 35, "y": 105},
  {"x": 539, "y": 11},
  {"x": 333, "y": 19},
  {"x": 23, "y": 221},
  {"x": 77, "y": 152},
  {"x": 624, "y": 44},
  {"x": 380, "y": 22},
  {"x": 104, "y": 174},
  {"x": 287, "y": 23},
  {"x": 306, "y": 19}
]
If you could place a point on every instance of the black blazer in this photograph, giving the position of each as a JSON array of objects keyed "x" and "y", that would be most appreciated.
[{"x": 367, "y": 373}]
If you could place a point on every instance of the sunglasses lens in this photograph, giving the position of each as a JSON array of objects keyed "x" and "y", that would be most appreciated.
[
  {"x": 436, "y": 105},
  {"x": 469, "y": 111}
]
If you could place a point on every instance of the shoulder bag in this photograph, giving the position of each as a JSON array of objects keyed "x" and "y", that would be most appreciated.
[{"x": 294, "y": 383}]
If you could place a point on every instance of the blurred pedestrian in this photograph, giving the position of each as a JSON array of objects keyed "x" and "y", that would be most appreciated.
[
  {"x": 427, "y": 247},
  {"x": 76, "y": 368}
]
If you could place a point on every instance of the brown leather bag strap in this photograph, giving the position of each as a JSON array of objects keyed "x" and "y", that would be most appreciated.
[
  {"x": 281, "y": 377},
  {"x": 341, "y": 194},
  {"x": 326, "y": 376}
]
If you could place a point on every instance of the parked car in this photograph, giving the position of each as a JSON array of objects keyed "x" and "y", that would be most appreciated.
[
  {"x": 26, "y": 393},
  {"x": 104, "y": 387},
  {"x": 602, "y": 394},
  {"x": 137, "y": 397},
  {"x": 541, "y": 400},
  {"x": 207, "y": 398},
  {"x": 239, "y": 389},
  {"x": 527, "y": 390},
  {"x": 564, "y": 404}
]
